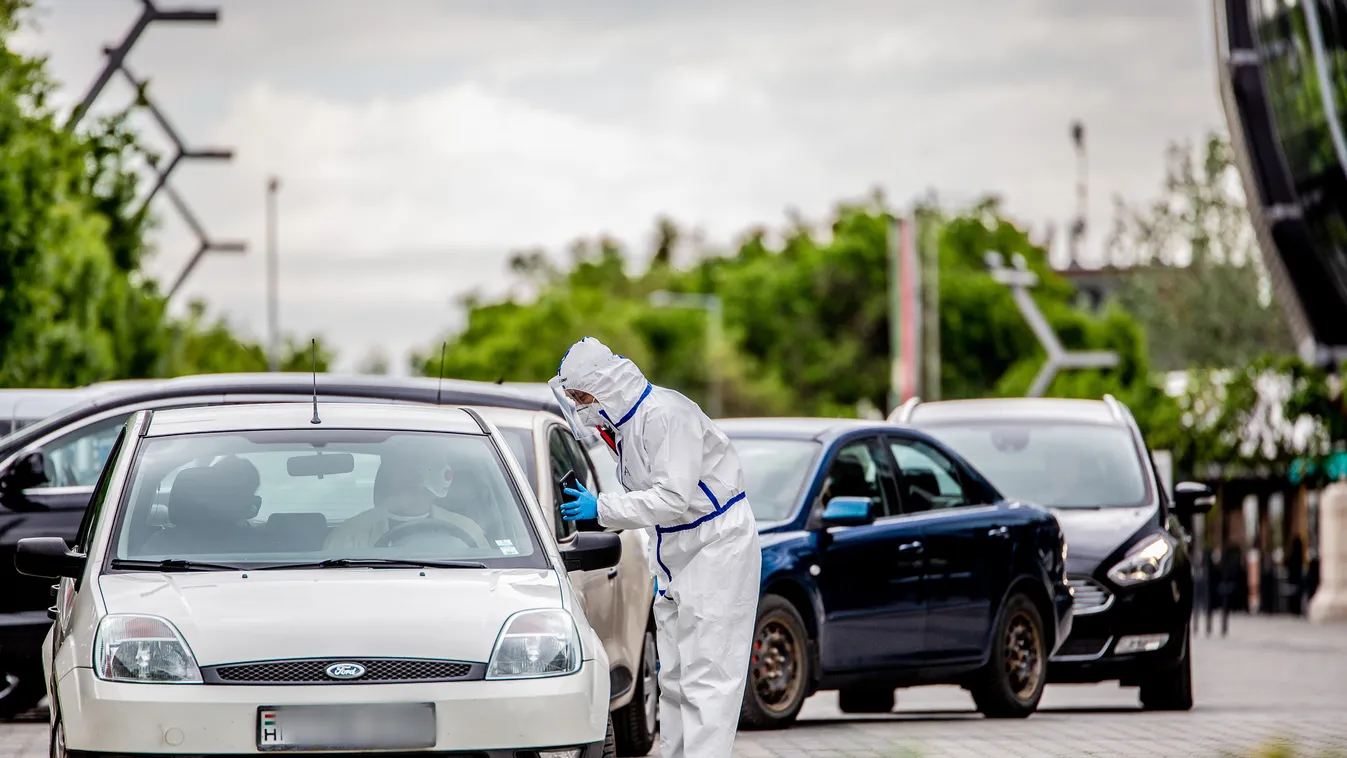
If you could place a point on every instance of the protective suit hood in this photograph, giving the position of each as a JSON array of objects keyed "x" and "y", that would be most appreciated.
[{"x": 619, "y": 386}]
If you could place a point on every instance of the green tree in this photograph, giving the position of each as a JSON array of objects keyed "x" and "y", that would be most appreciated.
[
  {"x": 75, "y": 305},
  {"x": 1196, "y": 282},
  {"x": 806, "y": 320}
]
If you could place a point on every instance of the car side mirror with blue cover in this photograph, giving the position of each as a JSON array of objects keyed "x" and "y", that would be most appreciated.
[{"x": 848, "y": 511}]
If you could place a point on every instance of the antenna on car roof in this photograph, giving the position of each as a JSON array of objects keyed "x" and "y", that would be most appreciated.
[
  {"x": 313, "y": 346},
  {"x": 439, "y": 385}
]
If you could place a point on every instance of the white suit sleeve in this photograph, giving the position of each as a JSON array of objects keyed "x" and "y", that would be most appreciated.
[{"x": 673, "y": 445}]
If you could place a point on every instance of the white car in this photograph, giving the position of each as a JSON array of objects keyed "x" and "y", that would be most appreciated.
[
  {"x": 618, "y": 600},
  {"x": 322, "y": 578}
]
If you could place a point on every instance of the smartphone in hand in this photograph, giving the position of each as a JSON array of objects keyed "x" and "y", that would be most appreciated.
[{"x": 569, "y": 481}]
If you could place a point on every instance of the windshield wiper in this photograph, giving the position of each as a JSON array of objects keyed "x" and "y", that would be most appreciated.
[
  {"x": 374, "y": 563},
  {"x": 173, "y": 564}
]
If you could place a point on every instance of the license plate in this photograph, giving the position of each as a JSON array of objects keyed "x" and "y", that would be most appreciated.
[{"x": 396, "y": 726}]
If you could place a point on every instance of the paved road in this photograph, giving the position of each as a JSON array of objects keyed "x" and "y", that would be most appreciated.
[{"x": 1271, "y": 679}]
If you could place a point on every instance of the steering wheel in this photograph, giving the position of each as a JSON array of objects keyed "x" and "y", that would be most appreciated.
[{"x": 428, "y": 526}]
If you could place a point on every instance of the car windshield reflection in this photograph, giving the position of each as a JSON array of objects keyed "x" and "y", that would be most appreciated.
[
  {"x": 1057, "y": 465},
  {"x": 312, "y": 496}
]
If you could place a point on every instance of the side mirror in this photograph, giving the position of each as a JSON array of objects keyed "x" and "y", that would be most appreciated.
[
  {"x": 1193, "y": 497},
  {"x": 848, "y": 511},
  {"x": 49, "y": 558},
  {"x": 588, "y": 525},
  {"x": 592, "y": 551},
  {"x": 29, "y": 470}
]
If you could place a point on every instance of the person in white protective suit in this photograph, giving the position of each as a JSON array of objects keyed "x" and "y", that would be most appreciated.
[{"x": 684, "y": 481}]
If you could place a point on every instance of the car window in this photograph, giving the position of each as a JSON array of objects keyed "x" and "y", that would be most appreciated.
[
  {"x": 308, "y": 495},
  {"x": 76, "y": 459},
  {"x": 583, "y": 466},
  {"x": 96, "y": 501},
  {"x": 1053, "y": 464},
  {"x": 520, "y": 442},
  {"x": 776, "y": 471},
  {"x": 855, "y": 472},
  {"x": 927, "y": 478},
  {"x": 560, "y": 462},
  {"x": 605, "y": 468}
]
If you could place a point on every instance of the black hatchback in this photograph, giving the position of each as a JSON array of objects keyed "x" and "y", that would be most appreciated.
[{"x": 1127, "y": 561}]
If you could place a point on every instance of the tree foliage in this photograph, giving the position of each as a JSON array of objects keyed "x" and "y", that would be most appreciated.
[
  {"x": 806, "y": 316},
  {"x": 75, "y": 306},
  {"x": 1194, "y": 278}
]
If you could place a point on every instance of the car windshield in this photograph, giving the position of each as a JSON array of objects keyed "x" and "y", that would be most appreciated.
[
  {"x": 775, "y": 472},
  {"x": 1059, "y": 465},
  {"x": 307, "y": 496}
]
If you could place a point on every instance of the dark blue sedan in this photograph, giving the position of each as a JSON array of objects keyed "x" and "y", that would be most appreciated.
[{"x": 887, "y": 562}]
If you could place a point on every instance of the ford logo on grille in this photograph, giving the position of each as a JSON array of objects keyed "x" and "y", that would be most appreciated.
[{"x": 345, "y": 671}]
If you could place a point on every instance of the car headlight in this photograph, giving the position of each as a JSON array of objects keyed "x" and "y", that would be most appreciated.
[
  {"x": 143, "y": 649},
  {"x": 535, "y": 644},
  {"x": 1150, "y": 559}
]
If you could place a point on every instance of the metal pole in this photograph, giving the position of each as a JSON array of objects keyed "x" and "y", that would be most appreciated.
[
  {"x": 273, "y": 296},
  {"x": 929, "y": 247},
  {"x": 894, "y": 234},
  {"x": 116, "y": 55},
  {"x": 715, "y": 325}
]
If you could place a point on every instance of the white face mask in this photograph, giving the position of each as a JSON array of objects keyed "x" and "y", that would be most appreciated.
[{"x": 589, "y": 414}]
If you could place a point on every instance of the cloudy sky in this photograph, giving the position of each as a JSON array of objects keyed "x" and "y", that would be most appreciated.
[{"x": 420, "y": 142}]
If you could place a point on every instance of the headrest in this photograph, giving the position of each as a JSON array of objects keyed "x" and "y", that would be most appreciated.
[
  {"x": 925, "y": 480},
  {"x": 208, "y": 495},
  {"x": 848, "y": 473},
  {"x": 242, "y": 470},
  {"x": 920, "y": 488}
]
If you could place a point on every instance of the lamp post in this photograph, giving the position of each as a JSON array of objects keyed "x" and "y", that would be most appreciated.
[
  {"x": 273, "y": 296},
  {"x": 714, "y": 325}
]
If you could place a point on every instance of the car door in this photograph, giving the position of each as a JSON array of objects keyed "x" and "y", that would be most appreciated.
[
  {"x": 596, "y": 588},
  {"x": 870, "y": 577},
  {"x": 967, "y": 547},
  {"x": 67, "y": 590}
]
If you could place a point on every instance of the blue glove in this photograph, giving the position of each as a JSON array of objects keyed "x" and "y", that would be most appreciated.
[{"x": 584, "y": 506}]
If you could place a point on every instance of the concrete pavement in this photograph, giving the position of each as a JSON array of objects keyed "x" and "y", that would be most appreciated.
[{"x": 1271, "y": 679}]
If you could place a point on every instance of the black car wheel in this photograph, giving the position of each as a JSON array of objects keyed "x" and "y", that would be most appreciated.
[
  {"x": 1171, "y": 690},
  {"x": 778, "y": 672},
  {"x": 609, "y": 742},
  {"x": 865, "y": 699},
  {"x": 637, "y": 722},
  {"x": 56, "y": 747},
  {"x": 1011, "y": 684},
  {"x": 21, "y": 689}
]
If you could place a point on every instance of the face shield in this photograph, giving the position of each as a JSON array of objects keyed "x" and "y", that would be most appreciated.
[{"x": 588, "y": 427}]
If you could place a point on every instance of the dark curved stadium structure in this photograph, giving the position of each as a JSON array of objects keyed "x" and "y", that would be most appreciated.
[{"x": 1283, "y": 77}]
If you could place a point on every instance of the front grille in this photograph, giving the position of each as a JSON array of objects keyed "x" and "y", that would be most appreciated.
[
  {"x": 314, "y": 671},
  {"x": 1089, "y": 596},
  {"x": 1082, "y": 647}
]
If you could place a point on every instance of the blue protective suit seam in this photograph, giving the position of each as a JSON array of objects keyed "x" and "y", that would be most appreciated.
[{"x": 632, "y": 412}]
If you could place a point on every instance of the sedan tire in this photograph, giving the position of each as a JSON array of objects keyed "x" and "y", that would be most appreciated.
[
  {"x": 779, "y": 669},
  {"x": 637, "y": 723},
  {"x": 1171, "y": 690},
  {"x": 21, "y": 689},
  {"x": 1011, "y": 684},
  {"x": 609, "y": 741}
]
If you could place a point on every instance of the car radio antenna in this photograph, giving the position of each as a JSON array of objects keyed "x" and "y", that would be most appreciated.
[
  {"x": 439, "y": 385},
  {"x": 313, "y": 347}
]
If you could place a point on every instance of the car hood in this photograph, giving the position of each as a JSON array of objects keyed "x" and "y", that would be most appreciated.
[
  {"x": 1093, "y": 534},
  {"x": 450, "y": 614}
]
